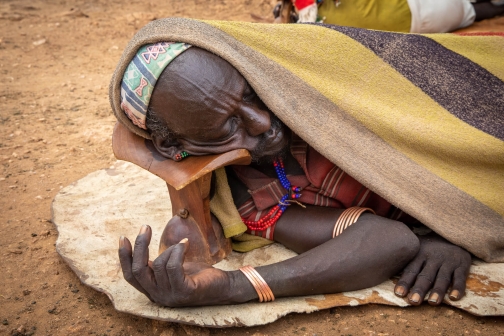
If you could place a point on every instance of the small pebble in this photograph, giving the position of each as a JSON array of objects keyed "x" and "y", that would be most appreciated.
[{"x": 39, "y": 42}]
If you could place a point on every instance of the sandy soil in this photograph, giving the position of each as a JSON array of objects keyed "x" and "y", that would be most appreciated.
[{"x": 56, "y": 59}]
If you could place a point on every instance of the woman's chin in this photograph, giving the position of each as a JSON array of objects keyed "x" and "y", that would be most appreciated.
[
  {"x": 278, "y": 144},
  {"x": 273, "y": 150}
]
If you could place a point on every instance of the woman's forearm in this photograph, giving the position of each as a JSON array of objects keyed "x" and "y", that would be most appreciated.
[{"x": 366, "y": 254}]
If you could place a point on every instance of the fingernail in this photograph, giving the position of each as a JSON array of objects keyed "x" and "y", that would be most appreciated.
[
  {"x": 183, "y": 241},
  {"x": 400, "y": 291},
  {"x": 143, "y": 229},
  {"x": 454, "y": 295},
  {"x": 434, "y": 297},
  {"x": 121, "y": 241},
  {"x": 415, "y": 298}
]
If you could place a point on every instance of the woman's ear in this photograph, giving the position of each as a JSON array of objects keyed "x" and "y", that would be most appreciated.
[{"x": 166, "y": 148}]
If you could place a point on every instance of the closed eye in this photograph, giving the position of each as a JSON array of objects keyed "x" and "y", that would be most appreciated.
[
  {"x": 233, "y": 126},
  {"x": 220, "y": 140}
]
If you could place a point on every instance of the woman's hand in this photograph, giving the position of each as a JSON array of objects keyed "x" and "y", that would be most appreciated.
[
  {"x": 169, "y": 281},
  {"x": 437, "y": 264}
]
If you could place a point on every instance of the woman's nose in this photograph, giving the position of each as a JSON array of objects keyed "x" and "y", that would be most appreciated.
[{"x": 257, "y": 121}]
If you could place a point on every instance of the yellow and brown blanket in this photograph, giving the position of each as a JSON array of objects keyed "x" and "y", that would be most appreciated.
[{"x": 419, "y": 119}]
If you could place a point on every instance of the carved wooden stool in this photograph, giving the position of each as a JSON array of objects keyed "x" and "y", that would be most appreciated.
[{"x": 189, "y": 184}]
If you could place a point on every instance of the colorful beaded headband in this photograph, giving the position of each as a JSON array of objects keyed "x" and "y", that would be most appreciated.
[{"x": 141, "y": 76}]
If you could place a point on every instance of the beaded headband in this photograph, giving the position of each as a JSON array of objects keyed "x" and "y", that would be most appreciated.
[{"x": 141, "y": 76}]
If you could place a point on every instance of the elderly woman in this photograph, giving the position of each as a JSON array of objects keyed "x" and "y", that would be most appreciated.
[{"x": 189, "y": 101}]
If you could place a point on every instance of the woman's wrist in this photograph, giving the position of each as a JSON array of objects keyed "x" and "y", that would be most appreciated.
[{"x": 241, "y": 290}]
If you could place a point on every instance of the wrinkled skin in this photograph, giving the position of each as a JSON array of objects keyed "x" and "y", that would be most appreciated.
[
  {"x": 212, "y": 109},
  {"x": 434, "y": 267},
  {"x": 235, "y": 116},
  {"x": 168, "y": 280},
  {"x": 169, "y": 273}
]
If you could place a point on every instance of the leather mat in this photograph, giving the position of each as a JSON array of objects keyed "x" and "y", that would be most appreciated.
[{"x": 93, "y": 212}]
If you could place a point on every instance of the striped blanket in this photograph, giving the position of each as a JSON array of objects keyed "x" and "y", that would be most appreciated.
[{"x": 418, "y": 119}]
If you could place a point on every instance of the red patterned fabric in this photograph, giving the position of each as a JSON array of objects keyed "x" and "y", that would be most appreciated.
[{"x": 323, "y": 184}]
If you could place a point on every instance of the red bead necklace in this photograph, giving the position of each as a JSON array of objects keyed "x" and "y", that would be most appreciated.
[{"x": 274, "y": 214}]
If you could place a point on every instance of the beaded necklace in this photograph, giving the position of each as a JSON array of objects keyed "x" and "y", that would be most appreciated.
[{"x": 274, "y": 214}]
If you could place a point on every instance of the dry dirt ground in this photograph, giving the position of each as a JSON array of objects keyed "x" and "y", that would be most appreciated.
[{"x": 56, "y": 59}]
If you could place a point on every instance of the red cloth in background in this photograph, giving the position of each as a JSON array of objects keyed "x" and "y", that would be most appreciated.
[{"x": 300, "y": 4}]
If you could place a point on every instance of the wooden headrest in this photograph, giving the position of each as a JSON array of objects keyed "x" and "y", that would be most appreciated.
[{"x": 130, "y": 147}]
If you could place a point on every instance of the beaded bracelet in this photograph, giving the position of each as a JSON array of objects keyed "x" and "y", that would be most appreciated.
[
  {"x": 263, "y": 291},
  {"x": 347, "y": 218}
]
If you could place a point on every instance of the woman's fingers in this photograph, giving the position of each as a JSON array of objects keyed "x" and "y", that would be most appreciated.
[
  {"x": 443, "y": 263},
  {"x": 126, "y": 260},
  {"x": 140, "y": 265},
  {"x": 424, "y": 281},
  {"x": 409, "y": 276},
  {"x": 159, "y": 268},
  {"x": 152, "y": 278},
  {"x": 459, "y": 282},
  {"x": 443, "y": 280},
  {"x": 174, "y": 266},
  {"x": 460, "y": 276}
]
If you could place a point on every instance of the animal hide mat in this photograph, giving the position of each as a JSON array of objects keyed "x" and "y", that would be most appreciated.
[{"x": 93, "y": 212}]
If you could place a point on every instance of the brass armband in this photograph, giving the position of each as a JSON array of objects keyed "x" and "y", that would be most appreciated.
[
  {"x": 263, "y": 290},
  {"x": 347, "y": 218}
]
